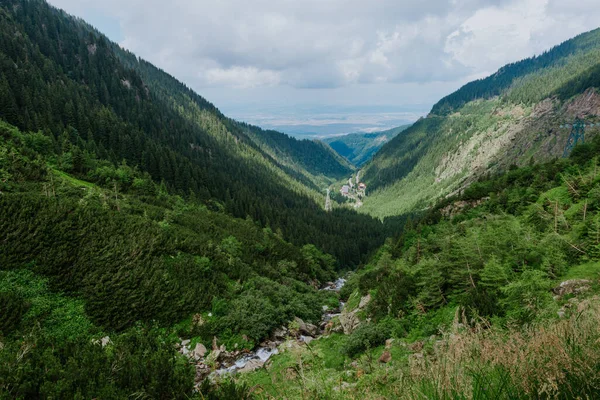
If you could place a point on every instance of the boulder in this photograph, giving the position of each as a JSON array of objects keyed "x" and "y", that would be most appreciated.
[
  {"x": 386, "y": 357},
  {"x": 202, "y": 371},
  {"x": 416, "y": 346},
  {"x": 306, "y": 328},
  {"x": 185, "y": 342},
  {"x": 105, "y": 341},
  {"x": 572, "y": 286},
  {"x": 251, "y": 365},
  {"x": 280, "y": 334},
  {"x": 197, "y": 320},
  {"x": 388, "y": 344},
  {"x": 215, "y": 346},
  {"x": 213, "y": 356},
  {"x": 306, "y": 339},
  {"x": 349, "y": 322},
  {"x": 199, "y": 351}
]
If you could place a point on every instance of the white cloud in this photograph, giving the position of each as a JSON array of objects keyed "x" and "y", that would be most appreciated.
[
  {"x": 245, "y": 44},
  {"x": 241, "y": 77}
]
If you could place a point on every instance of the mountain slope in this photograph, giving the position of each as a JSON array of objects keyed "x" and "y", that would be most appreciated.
[
  {"x": 359, "y": 148},
  {"x": 61, "y": 76},
  {"x": 488, "y": 125}
]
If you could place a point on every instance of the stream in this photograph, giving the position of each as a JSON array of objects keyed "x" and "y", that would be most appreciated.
[{"x": 261, "y": 355}]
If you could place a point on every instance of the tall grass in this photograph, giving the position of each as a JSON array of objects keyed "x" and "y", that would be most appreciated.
[{"x": 558, "y": 359}]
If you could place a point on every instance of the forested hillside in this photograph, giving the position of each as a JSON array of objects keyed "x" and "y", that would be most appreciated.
[
  {"x": 62, "y": 77},
  {"x": 512, "y": 117},
  {"x": 359, "y": 148},
  {"x": 118, "y": 254}
]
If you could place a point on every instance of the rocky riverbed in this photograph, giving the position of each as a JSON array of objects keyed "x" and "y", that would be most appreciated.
[{"x": 221, "y": 362}]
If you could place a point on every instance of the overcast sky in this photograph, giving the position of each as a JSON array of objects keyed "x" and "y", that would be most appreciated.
[{"x": 266, "y": 58}]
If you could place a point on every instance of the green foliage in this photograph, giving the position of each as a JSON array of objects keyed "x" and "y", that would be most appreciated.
[
  {"x": 359, "y": 148},
  {"x": 225, "y": 390},
  {"x": 12, "y": 308},
  {"x": 139, "y": 363},
  {"x": 262, "y": 305},
  {"x": 103, "y": 115},
  {"x": 366, "y": 337},
  {"x": 527, "y": 296}
]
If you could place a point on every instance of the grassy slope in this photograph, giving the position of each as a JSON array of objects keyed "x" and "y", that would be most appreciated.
[{"x": 444, "y": 152}]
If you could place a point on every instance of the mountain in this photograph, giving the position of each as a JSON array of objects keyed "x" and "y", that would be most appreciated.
[
  {"x": 359, "y": 148},
  {"x": 511, "y": 117},
  {"x": 64, "y": 78}
]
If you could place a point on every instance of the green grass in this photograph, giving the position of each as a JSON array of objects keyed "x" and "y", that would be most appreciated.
[
  {"x": 589, "y": 270},
  {"x": 73, "y": 181}
]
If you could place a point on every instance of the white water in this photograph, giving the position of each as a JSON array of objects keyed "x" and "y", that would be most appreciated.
[
  {"x": 337, "y": 285},
  {"x": 265, "y": 353}
]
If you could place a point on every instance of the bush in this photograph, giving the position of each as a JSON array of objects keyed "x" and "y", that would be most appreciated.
[
  {"x": 366, "y": 337},
  {"x": 12, "y": 308}
]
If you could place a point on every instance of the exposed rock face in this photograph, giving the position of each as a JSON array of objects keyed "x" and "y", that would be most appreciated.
[
  {"x": 349, "y": 319},
  {"x": 572, "y": 286},
  {"x": 458, "y": 206},
  {"x": 349, "y": 322},
  {"x": 587, "y": 103},
  {"x": 364, "y": 301}
]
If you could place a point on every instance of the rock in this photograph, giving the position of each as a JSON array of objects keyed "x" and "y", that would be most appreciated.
[
  {"x": 325, "y": 308},
  {"x": 105, "y": 341},
  {"x": 306, "y": 339},
  {"x": 416, "y": 346},
  {"x": 572, "y": 286},
  {"x": 561, "y": 313},
  {"x": 344, "y": 386},
  {"x": 364, "y": 301},
  {"x": 202, "y": 371},
  {"x": 213, "y": 356},
  {"x": 386, "y": 357},
  {"x": 197, "y": 320},
  {"x": 349, "y": 322},
  {"x": 214, "y": 343},
  {"x": 199, "y": 351},
  {"x": 280, "y": 333},
  {"x": 388, "y": 344},
  {"x": 306, "y": 328},
  {"x": 251, "y": 365},
  {"x": 185, "y": 342}
]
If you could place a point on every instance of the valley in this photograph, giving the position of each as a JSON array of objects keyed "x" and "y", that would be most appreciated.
[{"x": 153, "y": 247}]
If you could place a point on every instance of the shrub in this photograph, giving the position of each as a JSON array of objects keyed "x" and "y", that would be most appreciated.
[{"x": 366, "y": 337}]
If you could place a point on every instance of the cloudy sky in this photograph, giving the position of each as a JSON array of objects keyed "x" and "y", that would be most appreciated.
[{"x": 350, "y": 63}]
